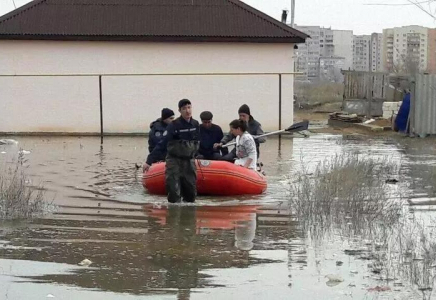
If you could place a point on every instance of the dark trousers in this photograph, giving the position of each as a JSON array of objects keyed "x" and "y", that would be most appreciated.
[
  {"x": 180, "y": 179},
  {"x": 230, "y": 157}
]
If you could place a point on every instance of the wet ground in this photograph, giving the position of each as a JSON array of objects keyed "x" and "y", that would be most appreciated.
[{"x": 219, "y": 248}]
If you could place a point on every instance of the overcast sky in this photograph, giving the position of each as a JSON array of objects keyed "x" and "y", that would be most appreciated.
[{"x": 354, "y": 15}]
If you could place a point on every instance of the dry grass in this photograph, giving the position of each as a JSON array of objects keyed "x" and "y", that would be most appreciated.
[
  {"x": 312, "y": 94},
  {"x": 344, "y": 188},
  {"x": 18, "y": 200}
]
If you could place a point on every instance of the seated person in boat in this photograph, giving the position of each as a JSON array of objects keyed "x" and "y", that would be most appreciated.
[
  {"x": 158, "y": 130},
  {"x": 210, "y": 134},
  {"x": 181, "y": 144},
  {"x": 254, "y": 128},
  {"x": 246, "y": 155}
]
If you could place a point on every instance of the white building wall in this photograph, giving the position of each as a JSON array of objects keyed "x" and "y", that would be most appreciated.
[
  {"x": 62, "y": 92},
  {"x": 222, "y": 95},
  {"x": 49, "y": 104},
  {"x": 343, "y": 45}
]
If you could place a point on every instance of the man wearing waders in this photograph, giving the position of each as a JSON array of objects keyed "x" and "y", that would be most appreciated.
[{"x": 181, "y": 144}]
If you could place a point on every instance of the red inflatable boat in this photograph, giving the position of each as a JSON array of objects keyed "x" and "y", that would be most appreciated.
[{"x": 219, "y": 178}]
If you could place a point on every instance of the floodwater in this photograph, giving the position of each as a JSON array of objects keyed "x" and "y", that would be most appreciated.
[{"x": 218, "y": 248}]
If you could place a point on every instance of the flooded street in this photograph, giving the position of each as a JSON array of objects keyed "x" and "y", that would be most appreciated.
[{"x": 220, "y": 248}]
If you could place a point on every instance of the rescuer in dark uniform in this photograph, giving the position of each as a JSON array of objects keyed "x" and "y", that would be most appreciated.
[
  {"x": 158, "y": 129},
  {"x": 181, "y": 144}
]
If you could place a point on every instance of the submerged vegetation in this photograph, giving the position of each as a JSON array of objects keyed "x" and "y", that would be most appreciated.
[
  {"x": 346, "y": 187},
  {"x": 351, "y": 197},
  {"x": 18, "y": 199}
]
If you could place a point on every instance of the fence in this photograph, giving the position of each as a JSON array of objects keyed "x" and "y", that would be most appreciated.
[
  {"x": 365, "y": 92},
  {"x": 423, "y": 105},
  {"x": 363, "y": 85}
]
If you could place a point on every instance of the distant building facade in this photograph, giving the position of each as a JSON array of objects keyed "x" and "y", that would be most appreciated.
[
  {"x": 362, "y": 53},
  {"x": 431, "y": 51},
  {"x": 405, "y": 49},
  {"x": 330, "y": 68},
  {"x": 376, "y": 58},
  {"x": 323, "y": 43}
]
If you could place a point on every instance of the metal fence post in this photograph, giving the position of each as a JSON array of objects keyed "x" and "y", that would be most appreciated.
[
  {"x": 101, "y": 109},
  {"x": 370, "y": 88}
]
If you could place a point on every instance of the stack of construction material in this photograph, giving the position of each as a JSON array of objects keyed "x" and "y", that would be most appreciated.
[
  {"x": 344, "y": 117},
  {"x": 390, "y": 109}
]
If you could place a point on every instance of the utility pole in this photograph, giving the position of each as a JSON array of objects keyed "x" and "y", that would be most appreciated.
[{"x": 292, "y": 13}]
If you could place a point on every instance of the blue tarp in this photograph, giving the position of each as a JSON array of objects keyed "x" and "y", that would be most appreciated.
[{"x": 403, "y": 114}]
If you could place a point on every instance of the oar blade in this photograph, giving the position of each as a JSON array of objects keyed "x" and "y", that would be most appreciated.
[{"x": 300, "y": 126}]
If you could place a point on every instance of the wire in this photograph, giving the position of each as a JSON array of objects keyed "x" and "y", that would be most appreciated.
[
  {"x": 399, "y": 4},
  {"x": 417, "y": 4},
  {"x": 13, "y": 1}
]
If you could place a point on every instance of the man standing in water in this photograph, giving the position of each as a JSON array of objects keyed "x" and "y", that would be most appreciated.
[{"x": 181, "y": 144}]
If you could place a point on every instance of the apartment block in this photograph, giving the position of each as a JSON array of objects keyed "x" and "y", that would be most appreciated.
[
  {"x": 376, "y": 58},
  {"x": 330, "y": 68},
  {"x": 405, "y": 49},
  {"x": 362, "y": 53},
  {"x": 324, "y": 42},
  {"x": 307, "y": 55},
  {"x": 343, "y": 46},
  {"x": 431, "y": 51}
]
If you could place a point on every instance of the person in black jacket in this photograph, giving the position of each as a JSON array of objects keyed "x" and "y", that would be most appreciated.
[
  {"x": 181, "y": 144},
  {"x": 158, "y": 128},
  {"x": 209, "y": 135},
  {"x": 254, "y": 128}
]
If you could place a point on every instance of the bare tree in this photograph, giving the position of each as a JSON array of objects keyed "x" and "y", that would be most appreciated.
[{"x": 406, "y": 64}]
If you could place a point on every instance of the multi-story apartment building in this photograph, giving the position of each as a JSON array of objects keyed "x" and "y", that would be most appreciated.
[
  {"x": 405, "y": 49},
  {"x": 431, "y": 51},
  {"x": 376, "y": 60},
  {"x": 323, "y": 42},
  {"x": 330, "y": 68},
  {"x": 307, "y": 55},
  {"x": 367, "y": 52},
  {"x": 343, "y": 46},
  {"x": 362, "y": 53}
]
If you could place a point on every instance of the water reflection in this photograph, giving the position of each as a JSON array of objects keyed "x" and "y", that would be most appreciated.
[
  {"x": 161, "y": 252},
  {"x": 241, "y": 219}
]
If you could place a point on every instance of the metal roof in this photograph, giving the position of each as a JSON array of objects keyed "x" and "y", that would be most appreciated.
[{"x": 145, "y": 20}]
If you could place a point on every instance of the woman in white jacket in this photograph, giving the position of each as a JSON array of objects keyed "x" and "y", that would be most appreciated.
[{"x": 245, "y": 145}]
